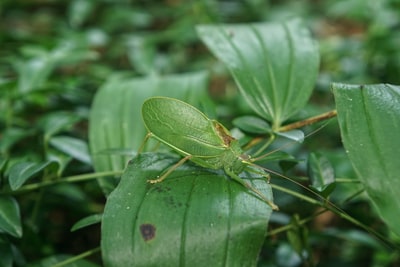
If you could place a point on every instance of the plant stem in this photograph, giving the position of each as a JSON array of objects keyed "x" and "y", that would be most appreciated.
[
  {"x": 290, "y": 226},
  {"x": 312, "y": 120},
  {"x": 296, "y": 194},
  {"x": 70, "y": 179},
  {"x": 332, "y": 207},
  {"x": 347, "y": 180},
  {"x": 77, "y": 257},
  {"x": 260, "y": 150}
]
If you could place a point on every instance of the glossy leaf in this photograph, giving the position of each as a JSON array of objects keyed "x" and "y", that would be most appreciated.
[
  {"x": 294, "y": 135},
  {"x": 73, "y": 147},
  {"x": 356, "y": 236},
  {"x": 369, "y": 120},
  {"x": 89, "y": 220},
  {"x": 61, "y": 158},
  {"x": 115, "y": 118},
  {"x": 297, "y": 235},
  {"x": 56, "y": 122},
  {"x": 34, "y": 72},
  {"x": 11, "y": 136},
  {"x": 79, "y": 11},
  {"x": 194, "y": 218},
  {"x": 142, "y": 53},
  {"x": 321, "y": 173},
  {"x": 10, "y": 218},
  {"x": 252, "y": 124},
  {"x": 287, "y": 256},
  {"x": 275, "y": 65},
  {"x": 22, "y": 171}
]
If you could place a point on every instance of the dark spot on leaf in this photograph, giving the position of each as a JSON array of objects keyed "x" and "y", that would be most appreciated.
[
  {"x": 161, "y": 189},
  {"x": 148, "y": 231},
  {"x": 171, "y": 202},
  {"x": 158, "y": 189}
]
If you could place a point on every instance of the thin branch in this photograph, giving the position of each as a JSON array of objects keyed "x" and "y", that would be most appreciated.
[{"x": 312, "y": 120}]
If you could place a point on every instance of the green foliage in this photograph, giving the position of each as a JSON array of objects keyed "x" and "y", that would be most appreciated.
[
  {"x": 321, "y": 172},
  {"x": 22, "y": 171},
  {"x": 74, "y": 75},
  {"x": 363, "y": 112},
  {"x": 195, "y": 217},
  {"x": 274, "y": 65}
]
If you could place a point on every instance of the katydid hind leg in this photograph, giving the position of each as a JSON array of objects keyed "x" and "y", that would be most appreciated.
[
  {"x": 260, "y": 171},
  {"x": 170, "y": 170},
  {"x": 236, "y": 178}
]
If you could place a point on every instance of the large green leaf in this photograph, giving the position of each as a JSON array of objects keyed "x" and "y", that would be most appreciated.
[
  {"x": 274, "y": 64},
  {"x": 116, "y": 128},
  {"x": 194, "y": 218},
  {"x": 369, "y": 119}
]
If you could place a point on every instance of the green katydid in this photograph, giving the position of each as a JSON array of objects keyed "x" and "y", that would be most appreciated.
[{"x": 197, "y": 138}]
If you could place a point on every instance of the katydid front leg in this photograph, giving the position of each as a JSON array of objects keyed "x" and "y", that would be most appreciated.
[
  {"x": 236, "y": 178},
  {"x": 148, "y": 135},
  {"x": 171, "y": 169}
]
